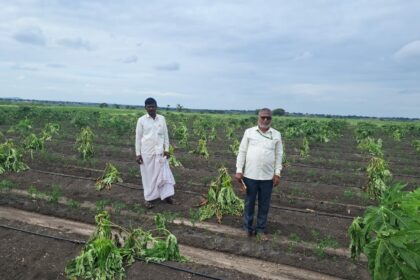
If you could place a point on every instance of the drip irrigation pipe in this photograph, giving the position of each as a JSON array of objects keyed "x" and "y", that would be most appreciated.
[
  {"x": 84, "y": 242},
  {"x": 197, "y": 193}
]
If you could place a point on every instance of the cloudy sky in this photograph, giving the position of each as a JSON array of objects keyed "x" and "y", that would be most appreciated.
[{"x": 311, "y": 56}]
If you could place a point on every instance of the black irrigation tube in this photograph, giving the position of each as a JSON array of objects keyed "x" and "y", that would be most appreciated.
[
  {"x": 84, "y": 242},
  {"x": 355, "y": 171},
  {"x": 197, "y": 193}
]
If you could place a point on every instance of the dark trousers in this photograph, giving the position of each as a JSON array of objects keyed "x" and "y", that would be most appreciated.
[{"x": 261, "y": 189}]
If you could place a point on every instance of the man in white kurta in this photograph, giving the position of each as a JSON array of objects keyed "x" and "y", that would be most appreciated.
[{"x": 152, "y": 152}]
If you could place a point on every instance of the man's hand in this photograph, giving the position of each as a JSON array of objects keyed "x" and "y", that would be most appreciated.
[
  {"x": 139, "y": 159},
  {"x": 166, "y": 154},
  {"x": 276, "y": 180},
  {"x": 240, "y": 178}
]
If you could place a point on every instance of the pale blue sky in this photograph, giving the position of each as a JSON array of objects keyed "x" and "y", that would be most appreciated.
[{"x": 314, "y": 56}]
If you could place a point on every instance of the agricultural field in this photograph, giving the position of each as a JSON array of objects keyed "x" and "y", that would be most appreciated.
[{"x": 62, "y": 164}]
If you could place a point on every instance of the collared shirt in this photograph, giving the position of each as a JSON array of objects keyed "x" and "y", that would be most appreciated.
[
  {"x": 151, "y": 135},
  {"x": 260, "y": 153}
]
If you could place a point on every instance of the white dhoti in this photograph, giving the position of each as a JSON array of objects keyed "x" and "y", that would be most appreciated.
[{"x": 157, "y": 178}]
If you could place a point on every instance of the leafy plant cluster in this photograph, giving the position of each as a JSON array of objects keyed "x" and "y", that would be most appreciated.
[
  {"x": 396, "y": 131},
  {"x": 201, "y": 148},
  {"x": 110, "y": 176},
  {"x": 106, "y": 256},
  {"x": 172, "y": 159},
  {"x": 84, "y": 143},
  {"x": 378, "y": 172},
  {"x": 234, "y": 147},
  {"x": 221, "y": 199},
  {"x": 416, "y": 145},
  {"x": 32, "y": 142},
  {"x": 11, "y": 158},
  {"x": 371, "y": 146},
  {"x": 389, "y": 235}
]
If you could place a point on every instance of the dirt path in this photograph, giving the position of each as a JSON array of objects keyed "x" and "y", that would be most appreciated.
[{"x": 229, "y": 261}]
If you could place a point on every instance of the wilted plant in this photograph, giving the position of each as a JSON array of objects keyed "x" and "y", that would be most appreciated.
[
  {"x": 10, "y": 158},
  {"x": 105, "y": 256},
  {"x": 181, "y": 133},
  {"x": 110, "y": 176},
  {"x": 201, "y": 148},
  {"x": 229, "y": 132},
  {"x": 84, "y": 143},
  {"x": 33, "y": 143},
  {"x": 221, "y": 199},
  {"x": 49, "y": 131},
  {"x": 304, "y": 149},
  {"x": 172, "y": 159},
  {"x": 371, "y": 146},
  {"x": 212, "y": 134},
  {"x": 378, "y": 177},
  {"x": 416, "y": 145},
  {"x": 23, "y": 127},
  {"x": 234, "y": 147}
]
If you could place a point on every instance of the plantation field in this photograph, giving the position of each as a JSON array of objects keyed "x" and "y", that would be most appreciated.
[{"x": 322, "y": 187}]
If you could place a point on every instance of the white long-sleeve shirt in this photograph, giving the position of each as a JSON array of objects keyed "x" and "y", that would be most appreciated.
[
  {"x": 151, "y": 135},
  {"x": 260, "y": 154}
]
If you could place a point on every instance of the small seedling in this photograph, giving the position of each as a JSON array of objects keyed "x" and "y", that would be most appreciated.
[
  {"x": 55, "y": 194},
  {"x": 6, "y": 185},
  {"x": 348, "y": 194},
  {"x": 101, "y": 204},
  {"x": 74, "y": 204},
  {"x": 194, "y": 216},
  {"x": 138, "y": 208},
  {"x": 118, "y": 207}
]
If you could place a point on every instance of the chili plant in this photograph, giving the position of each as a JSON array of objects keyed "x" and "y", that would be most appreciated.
[
  {"x": 221, "y": 199},
  {"x": 388, "y": 234},
  {"x": 110, "y": 176}
]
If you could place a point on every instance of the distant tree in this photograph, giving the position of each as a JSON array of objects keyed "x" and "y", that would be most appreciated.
[
  {"x": 103, "y": 105},
  {"x": 179, "y": 107},
  {"x": 279, "y": 112},
  {"x": 167, "y": 107},
  {"x": 117, "y": 106}
]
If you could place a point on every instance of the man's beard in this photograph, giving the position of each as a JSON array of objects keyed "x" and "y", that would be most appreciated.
[{"x": 265, "y": 126}]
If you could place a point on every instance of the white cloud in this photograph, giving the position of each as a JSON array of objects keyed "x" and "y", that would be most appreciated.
[{"x": 409, "y": 51}]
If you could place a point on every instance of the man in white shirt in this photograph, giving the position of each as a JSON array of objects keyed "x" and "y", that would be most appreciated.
[
  {"x": 258, "y": 168},
  {"x": 152, "y": 153}
]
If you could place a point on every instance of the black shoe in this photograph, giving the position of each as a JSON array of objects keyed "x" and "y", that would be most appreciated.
[
  {"x": 248, "y": 234},
  {"x": 169, "y": 200},
  {"x": 148, "y": 205},
  {"x": 262, "y": 236}
]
